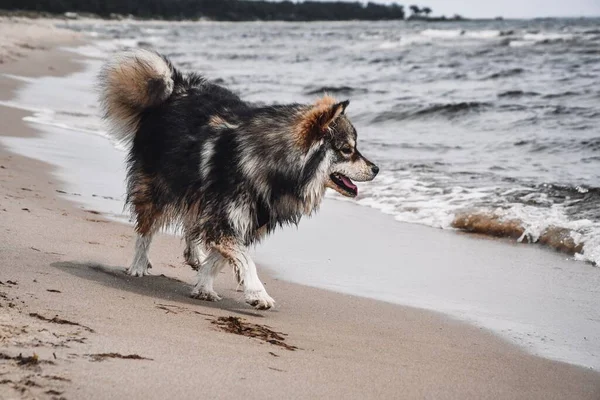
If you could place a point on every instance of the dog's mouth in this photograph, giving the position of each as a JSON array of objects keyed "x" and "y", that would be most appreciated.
[{"x": 343, "y": 185}]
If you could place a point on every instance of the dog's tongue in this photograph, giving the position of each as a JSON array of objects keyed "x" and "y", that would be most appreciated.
[{"x": 348, "y": 183}]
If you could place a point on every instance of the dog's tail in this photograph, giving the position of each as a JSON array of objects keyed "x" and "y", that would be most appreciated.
[{"x": 131, "y": 83}]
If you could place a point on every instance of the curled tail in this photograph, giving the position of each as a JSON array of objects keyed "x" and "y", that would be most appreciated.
[{"x": 131, "y": 83}]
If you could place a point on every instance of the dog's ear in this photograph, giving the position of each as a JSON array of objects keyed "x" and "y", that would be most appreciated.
[
  {"x": 344, "y": 104},
  {"x": 327, "y": 110},
  {"x": 314, "y": 124}
]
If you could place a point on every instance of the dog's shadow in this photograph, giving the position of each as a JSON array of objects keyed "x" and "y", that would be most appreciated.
[{"x": 159, "y": 287}]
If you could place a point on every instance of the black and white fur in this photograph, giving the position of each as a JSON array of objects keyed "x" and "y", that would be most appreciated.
[{"x": 226, "y": 171}]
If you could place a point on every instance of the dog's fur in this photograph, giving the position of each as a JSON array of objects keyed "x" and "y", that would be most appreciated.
[{"x": 224, "y": 170}]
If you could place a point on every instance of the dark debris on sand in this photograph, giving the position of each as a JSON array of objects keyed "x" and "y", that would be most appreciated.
[
  {"x": 104, "y": 356},
  {"x": 60, "y": 321},
  {"x": 25, "y": 361},
  {"x": 238, "y": 326}
]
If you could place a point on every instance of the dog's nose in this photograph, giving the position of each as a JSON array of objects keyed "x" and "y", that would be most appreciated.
[{"x": 375, "y": 169}]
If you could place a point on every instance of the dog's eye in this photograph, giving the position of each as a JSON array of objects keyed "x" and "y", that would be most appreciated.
[{"x": 346, "y": 150}]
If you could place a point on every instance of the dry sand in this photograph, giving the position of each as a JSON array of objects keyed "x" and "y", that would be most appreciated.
[
  {"x": 84, "y": 329},
  {"x": 22, "y": 36}
]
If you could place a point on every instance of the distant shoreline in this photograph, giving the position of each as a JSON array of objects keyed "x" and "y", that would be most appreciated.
[
  {"x": 74, "y": 16},
  {"x": 78, "y": 15}
]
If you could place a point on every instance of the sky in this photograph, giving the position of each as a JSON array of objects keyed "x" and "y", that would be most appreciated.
[
  {"x": 512, "y": 8},
  {"x": 507, "y": 8}
]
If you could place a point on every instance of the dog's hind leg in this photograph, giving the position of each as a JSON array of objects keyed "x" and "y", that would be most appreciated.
[
  {"x": 194, "y": 254},
  {"x": 141, "y": 264},
  {"x": 146, "y": 226},
  {"x": 207, "y": 272}
]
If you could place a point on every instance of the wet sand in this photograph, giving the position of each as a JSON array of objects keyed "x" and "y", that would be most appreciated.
[{"x": 97, "y": 333}]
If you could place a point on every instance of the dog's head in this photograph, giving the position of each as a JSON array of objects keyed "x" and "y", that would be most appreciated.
[{"x": 327, "y": 126}]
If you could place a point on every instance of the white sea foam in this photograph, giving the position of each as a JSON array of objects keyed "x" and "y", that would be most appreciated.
[
  {"x": 408, "y": 40},
  {"x": 461, "y": 33},
  {"x": 389, "y": 45},
  {"x": 521, "y": 43},
  {"x": 539, "y": 37},
  {"x": 443, "y": 33},
  {"x": 531, "y": 39},
  {"x": 483, "y": 34},
  {"x": 412, "y": 200}
]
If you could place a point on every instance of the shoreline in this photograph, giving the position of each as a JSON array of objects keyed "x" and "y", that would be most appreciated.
[
  {"x": 432, "y": 354},
  {"x": 563, "y": 231},
  {"x": 515, "y": 291},
  {"x": 560, "y": 327}
]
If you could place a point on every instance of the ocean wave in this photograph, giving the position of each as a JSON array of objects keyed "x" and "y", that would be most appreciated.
[
  {"x": 560, "y": 95},
  {"x": 584, "y": 112},
  {"x": 549, "y": 215},
  {"x": 518, "y": 43},
  {"x": 556, "y": 145},
  {"x": 491, "y": 224},
  {"x": 505, "y": 73},
  {"x": 517, "y": 93},
  {"x": 425, "y": 146},
  {"x": 509, "y": 32},
  {"x": 386, "y": 60},
  {"x": 483, "y": 34},
  {"x": 465, "y": 33},
  {"x": 389, "y": 45},
  {"x": 547, "y": 37},
  {"x": 337, "y": 90},
  {"x": 446, "y": 110},
  {"x": 589, "y": 160},
  {"x": 510, "y": 36},
  {"x": 589, "y": 52},
  {"x": 535, "y": 39},
  {"x": 443, "y": 33},
  {"x": 551, "y": 226}
]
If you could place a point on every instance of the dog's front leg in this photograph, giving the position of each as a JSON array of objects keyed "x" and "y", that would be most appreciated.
[
  {"x": 245, "y": 269},
  {"x": 254, "y": 291}
]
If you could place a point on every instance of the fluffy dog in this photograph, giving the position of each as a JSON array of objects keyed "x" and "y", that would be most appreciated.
[{"x": 226, "y": 171}]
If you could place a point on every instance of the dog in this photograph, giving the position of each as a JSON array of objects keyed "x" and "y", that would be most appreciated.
[{"x": 225, "y": 171}]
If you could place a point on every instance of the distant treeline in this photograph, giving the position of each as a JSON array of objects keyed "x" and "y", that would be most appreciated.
[{"x": 223, "y": 10}]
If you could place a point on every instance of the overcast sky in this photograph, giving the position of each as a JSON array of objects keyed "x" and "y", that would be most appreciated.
[{"x": 507, "y": 8}]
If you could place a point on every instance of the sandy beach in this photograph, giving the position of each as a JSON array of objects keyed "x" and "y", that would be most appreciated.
[{"x": 73, "y": 325}]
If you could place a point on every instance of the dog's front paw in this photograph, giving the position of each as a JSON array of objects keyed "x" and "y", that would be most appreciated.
[
  {"x": 259, "y": 299},
  {"x": 205, "y": 294},
  {"x": 139, "y": 269}
]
